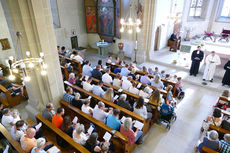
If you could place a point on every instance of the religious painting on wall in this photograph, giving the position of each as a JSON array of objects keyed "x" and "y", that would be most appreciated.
[
  {"x": 5, "y": 44},
  {"x": 106, "y": 19},
  {"x": 91, "y": 16},
  {"x": 118, "y": 16}
]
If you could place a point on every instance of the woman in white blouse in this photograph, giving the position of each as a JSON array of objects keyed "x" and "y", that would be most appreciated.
[
  {"x": 78, "y": 134},
  {"x": 117, "y": 82},
  {"x": 133, "y": 89},
  {"x": 140, "y": 109},
  {"x": 86, "y": 108}
]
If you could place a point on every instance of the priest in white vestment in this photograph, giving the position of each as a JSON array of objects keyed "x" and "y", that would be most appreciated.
[{"x": 212, "y": 60}]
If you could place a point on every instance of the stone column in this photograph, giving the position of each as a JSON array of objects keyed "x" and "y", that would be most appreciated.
[
  {"x": 33, "y": 18},
  {"x": 146, "y": 36}
]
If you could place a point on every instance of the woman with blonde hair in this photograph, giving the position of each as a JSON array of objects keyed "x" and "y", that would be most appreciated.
[
  {"x": 157, "y": 82},
  {"x": 169, "y": 95},
  {"x": 109, "y": 94},
  {"x": 156, "y": 97}
]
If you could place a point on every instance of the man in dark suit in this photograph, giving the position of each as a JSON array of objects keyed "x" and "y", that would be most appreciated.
[
  {"x": 96, "y": 73},
  {"x": 197, "y": 57}
]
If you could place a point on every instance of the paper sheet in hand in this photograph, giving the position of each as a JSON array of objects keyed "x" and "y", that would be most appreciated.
[
  {"x": 54, "y": 149},
  {"x": 113, "y": 63},
  {"x": 138, "y": 125},
  {"x": 120, "y": 90},
  {"x": 139, "y": 85},
  {"x": 96, "y": 106},
  {"x": 89, "y": 97},
  {"x": 75, "y": 120},
  {"x": 107, "y": 136},
  {"x": 146, "y": 100},
  {"x": 115, "y": 98},
  {"x": 38, "y": 126},
  {"x": 90, "y": 130},
  {"x": 123, "y": 119}
]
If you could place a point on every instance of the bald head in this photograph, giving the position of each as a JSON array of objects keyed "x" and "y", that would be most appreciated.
[{"x": 30, "y": 132}]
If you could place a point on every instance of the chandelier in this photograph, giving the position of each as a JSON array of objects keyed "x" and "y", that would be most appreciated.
[
  {"x": 24, "y": 65},
  {"x": 130, "y": 22}
]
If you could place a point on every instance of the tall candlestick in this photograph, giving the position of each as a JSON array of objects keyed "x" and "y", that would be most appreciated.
[{"x": 136, "y": 45}]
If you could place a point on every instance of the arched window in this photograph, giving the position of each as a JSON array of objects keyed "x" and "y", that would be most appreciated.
[
  {"x": 55, "y": 15},
  {"x": 196, "y": 8}
]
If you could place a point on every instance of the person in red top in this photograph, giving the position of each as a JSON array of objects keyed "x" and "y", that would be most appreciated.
[
  {"x": 180, "y": 92},
  {"x": 57, "y": 118},
  {"x": 126, "y": 129}
]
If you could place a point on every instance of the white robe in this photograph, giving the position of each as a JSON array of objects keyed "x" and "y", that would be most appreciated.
[{"x": 211, "y": 67}]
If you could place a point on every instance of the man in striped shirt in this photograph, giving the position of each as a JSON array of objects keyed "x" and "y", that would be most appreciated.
[
  {"x": 68, "y": 97},
  {"x": 225, "y": 144}
]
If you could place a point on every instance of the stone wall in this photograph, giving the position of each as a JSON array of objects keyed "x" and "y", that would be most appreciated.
[
  {"x": 5, "y": 33},
  {"x": 72, "y": 18}
]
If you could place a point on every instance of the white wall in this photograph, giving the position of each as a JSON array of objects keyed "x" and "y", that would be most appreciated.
[
  {"x": 72, "y": 17},
  {"x": 5, "y": 33}
]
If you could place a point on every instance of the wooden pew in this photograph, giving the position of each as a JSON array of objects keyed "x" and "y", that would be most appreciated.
[
  {"x": 8, "y": 100},
  {"x": 52, "y": 131},
  {"x": 207, "y": 150},
  {"x": 127, "y": 113},
  {"x": 130, "y": 96},
  {"x": 76, "y": 64},
  {"x": 113, "y": 66},
  {"x": 218, "y": 129},
  {"x": 65, "y": 72},
  {"x": 101, "y": 127},
  {"x": 16, "y": 145}
]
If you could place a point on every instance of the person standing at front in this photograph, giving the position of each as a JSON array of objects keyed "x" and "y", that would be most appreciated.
[
  {"x": 212, "y": 60},
  {"x": 197, "y": 57}
]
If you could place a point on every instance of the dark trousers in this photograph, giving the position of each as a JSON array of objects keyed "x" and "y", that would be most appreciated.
[{"x": 194, "y": 68}]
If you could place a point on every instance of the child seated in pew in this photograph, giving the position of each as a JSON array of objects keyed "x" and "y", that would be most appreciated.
[
  {"x": 156, "y": 71},
  {"x": 133, "y": 137},
  {"x": 162, "y": 74},
  {"x": 150, "y": 71},
  {"x": 86, "y": 107},
  {"x": 79, "y": 134},
  {"x": 174, "y": 78},
  {"x": 169, "y": 97},
  {"x": 179, "y": 91}
]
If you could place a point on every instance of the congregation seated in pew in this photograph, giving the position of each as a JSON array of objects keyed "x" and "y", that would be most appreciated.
[
  {"x": 99, "y": 112},
  {"x": 106, "y": 78},
  {"x": 48, "y": 112},
  {"x": 97, "y": 89},
  {"x": 96, "y": 73},
  {"x": 109, "y": 95},
  {"x": 87, "y": 69},
  {"x": 116, "y": 81},
  {"x": 79, "y": 135},
  {"x": 157, "y": 82},
  {"x": 113, "y": 120},
  {"x": 87, "y": 85},
  {"x": 57, "y": 118},
  {"x": 141, "y": 109},
  {"x": 123, "y": 102},
  {"x": 86, "y": 107}
]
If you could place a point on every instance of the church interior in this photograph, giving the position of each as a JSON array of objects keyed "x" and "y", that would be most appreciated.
[{"x": 115, "y": 76}]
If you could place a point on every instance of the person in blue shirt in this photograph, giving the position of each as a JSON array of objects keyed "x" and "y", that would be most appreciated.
[
  {"x": 113, "y": 120},
  {"x": 68, "y": 96},
  {"x": 87, "y": 70},
  {"x": 97, "y": 89},
  {"x": 125, "y": 70}
]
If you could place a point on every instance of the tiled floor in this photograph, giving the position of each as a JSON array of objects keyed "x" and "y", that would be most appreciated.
[{"x": 191, "y": 111}]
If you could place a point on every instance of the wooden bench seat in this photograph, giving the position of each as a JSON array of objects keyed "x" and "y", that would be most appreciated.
[
  {"x": 76, "y": 64},
  {"x": 101, "y": 127},
  {"x": 16, "y": 145},
  {"x": 113, "y": 66},
  {"x": 51, "y": 131},
  {"x": 207, "y": 150},
  {"x": 127, "y": 113}
]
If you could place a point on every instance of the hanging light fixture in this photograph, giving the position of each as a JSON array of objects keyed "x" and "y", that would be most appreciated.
[
  {"x": 130, "y": 22},
  {"x": 25, "y": 65}
]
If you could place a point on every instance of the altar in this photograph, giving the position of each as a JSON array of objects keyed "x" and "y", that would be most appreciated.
[{"x": 103, "y": 48}]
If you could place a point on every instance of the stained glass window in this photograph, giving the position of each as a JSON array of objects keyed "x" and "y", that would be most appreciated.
[
  {"x": 196, "y": 8},
  {"x": 225, "y": 12}
]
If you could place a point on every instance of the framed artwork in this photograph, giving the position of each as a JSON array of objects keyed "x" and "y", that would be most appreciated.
[
  {"x": 118, "y": 16},
  {"x": 106, "y": 20},
  {"x": 5, "y": 44},
  {"x": 90, "y": 16}
]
